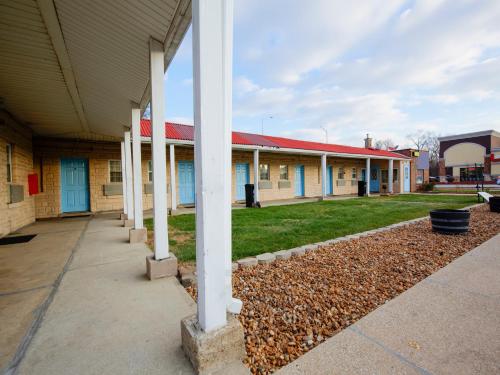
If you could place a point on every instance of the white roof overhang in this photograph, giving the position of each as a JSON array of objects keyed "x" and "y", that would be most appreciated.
[{"x": 74, "y": 68}]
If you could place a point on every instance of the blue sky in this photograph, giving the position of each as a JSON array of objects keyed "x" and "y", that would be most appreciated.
[{"x": 388, "y": 68}]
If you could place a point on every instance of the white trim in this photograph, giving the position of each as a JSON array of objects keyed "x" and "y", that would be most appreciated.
[
  {"x": 390, "y": 175},
  {"x": 129, "y": 176},
  {"x": 109, "y": 171},
  {"x": 256, "y": 175},
  {"x": 51, "y": 21},
  {"x": 368, "y": 176},
  {"x": 137, "y": 167},
  {"x": 469, "y": 135},
  {"x": 158, "y": 150},
  {"x": 323, "y": 175},
  {"x": 288, "y": 150},
  {"x": 124, "y": 178},
  {"x": 212, "y": 81}
]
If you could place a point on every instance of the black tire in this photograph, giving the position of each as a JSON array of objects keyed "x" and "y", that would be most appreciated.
[{"x": 450, "y": 221}]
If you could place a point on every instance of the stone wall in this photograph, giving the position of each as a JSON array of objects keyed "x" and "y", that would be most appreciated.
[{"x": 15, "y": 215}]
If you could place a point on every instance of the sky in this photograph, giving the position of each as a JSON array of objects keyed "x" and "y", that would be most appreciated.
[{"x": 389, "y": 68}]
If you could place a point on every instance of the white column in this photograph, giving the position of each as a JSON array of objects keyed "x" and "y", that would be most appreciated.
[
  {"x": 136, "y": 161},
  {"x": 124, "y": 179},
  {"x": 323, "y": 175},
  {"x": 212, "y": 73},
  {"x": 129, "y": 177},
  {"x": 256, "y": 176},
  {"x": 173, "y": 192},
  {"x": 391, "y": 166},
  {"x": 367, "y": 177},
  {"x": 158, "y": 150}
]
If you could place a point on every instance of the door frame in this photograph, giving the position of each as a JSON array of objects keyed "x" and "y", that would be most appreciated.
[
  {"x": 302, "y": 180},
  {"x": 184, "y": 162},
  {"x": 247, "y": 178},
  {"x": 406, "y": 176},
  {"x": 87, "y": 183},
  {"x": 375, "y": 184}
]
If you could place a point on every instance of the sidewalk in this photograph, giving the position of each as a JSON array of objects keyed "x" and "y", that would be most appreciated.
[
  {"x": 447, "y": 324},
  {"x": 106, "y": 317}
]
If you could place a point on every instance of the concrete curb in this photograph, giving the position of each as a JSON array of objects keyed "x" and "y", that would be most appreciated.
[
  {"x": 299, "y": 251},
  {"x": 268, "y": 258}
]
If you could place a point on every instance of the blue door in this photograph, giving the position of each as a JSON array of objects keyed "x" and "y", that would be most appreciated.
[
  {"x": 74, "y": 185},
  {"x": 329, "y": 180},
  {"x": 186, "y": 182},
  {"x": 242, "y": 178},
  {"x": 406, "y": 178},
  {"x": 374, "y": 179},
  {"x": 299, "y": 181}
]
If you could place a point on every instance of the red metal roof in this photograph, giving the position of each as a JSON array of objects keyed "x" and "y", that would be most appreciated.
[{"x": 186, "y": 133}]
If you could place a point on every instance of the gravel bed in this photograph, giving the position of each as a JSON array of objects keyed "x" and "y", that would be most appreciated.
[{"x": 292, "y": 305}]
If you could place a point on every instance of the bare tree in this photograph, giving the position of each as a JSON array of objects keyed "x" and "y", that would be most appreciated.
[
  {"x": 385, "y": 144},
  {"x": 418, "y": 140}
]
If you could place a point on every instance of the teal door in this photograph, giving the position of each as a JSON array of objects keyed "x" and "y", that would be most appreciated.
[
  {"x": 299, "y": 181},
  {"x": 406, "y": 181},
  {"x": 74, "y": 185},
  {"x": 186, "y": 182},
  {"x": 374, "y": 179},
  {"x": 329, "y": 180},
  {"x": 242, "y": 178}
]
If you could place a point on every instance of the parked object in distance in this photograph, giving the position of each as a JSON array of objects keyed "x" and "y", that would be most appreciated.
[
  {"x": 495, "y": 204},
  {"x": 450, "y": 221}
]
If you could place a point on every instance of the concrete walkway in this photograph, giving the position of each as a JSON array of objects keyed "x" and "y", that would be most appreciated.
[
  {"x": 29, "y": 275},
  {"x": 447, "y": 324},
  {"x": 106, "y": 317}
]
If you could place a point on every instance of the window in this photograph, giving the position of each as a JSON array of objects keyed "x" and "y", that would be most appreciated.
[
  {"x": 354, "y": 174},
  {"x": 395, "y": 176},
  {"x": 264, "y": 172},
  {"x": 384, "y": 176},
  {"x": 341, "y": 173},
  {"x": 9, "y": 162},
  {"x": 150, "y": 171},
  {"x": 420, "y": 176},
  {"x": 115, "y": 171},
  {"x": 283, "y": 172}
]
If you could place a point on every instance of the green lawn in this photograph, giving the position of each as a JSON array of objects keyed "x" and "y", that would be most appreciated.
[{"x": 269, "y": 229}]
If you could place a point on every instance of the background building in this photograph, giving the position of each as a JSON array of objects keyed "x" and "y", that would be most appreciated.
[{"x": 467, "y": 157}]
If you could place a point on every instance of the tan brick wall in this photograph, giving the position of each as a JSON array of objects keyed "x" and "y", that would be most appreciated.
[
  {"x": 15, "y": 215},
  {"x": 48, "y": 154}
]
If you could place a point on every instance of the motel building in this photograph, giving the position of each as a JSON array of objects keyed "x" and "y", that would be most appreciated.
[{"x": 75, "y": 79}]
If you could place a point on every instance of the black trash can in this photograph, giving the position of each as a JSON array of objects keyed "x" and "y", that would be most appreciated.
[
  {"x": 249, "y": 195},
  {"x": 361, "y": 188},
  {"x": 495, "y": 204}
]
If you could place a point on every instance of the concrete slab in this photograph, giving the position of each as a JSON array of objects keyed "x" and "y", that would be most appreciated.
[
  {"x": 335, "y": 357},
  {"x": 106, "y": 317},
  {"x": 446, "y": 324},
  {"x": 28, "y": 274}
]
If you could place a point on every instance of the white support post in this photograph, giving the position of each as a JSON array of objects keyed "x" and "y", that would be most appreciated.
[
  {"x": 136, "y": 159},
  {"x": 124, "y": 178},
  {"x": 212, "y": 73},
  {"x": 391, "y": 166},
  {"x": 256, "y": 176},
  {"x": 158, "y": 150},
  {"x": 323, "y": 175},
  {"x": 173, "y": 192},
  {"x": 129, "y": 177},
  {"x": 367, "y": 177}
]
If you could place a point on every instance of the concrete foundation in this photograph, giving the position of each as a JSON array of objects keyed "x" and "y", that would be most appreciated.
[
  {"x": 138, "y": 235},
  {"x": 214, "y": 352},
  {"x": 157, "y": 269},
  {"x": 123, "y": 216},
  {"x": 128, "y": 223}
]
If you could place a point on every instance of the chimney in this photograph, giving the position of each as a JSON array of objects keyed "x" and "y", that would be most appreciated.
[{"x": 368, "y": 141}]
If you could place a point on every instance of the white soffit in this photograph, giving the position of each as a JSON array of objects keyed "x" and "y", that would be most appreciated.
[{"x": 74, "y": 67}]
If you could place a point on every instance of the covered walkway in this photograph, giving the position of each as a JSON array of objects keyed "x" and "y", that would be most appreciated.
[
  {"x": 106, "y": 317},
  {"x": 447, "y": 324}
]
